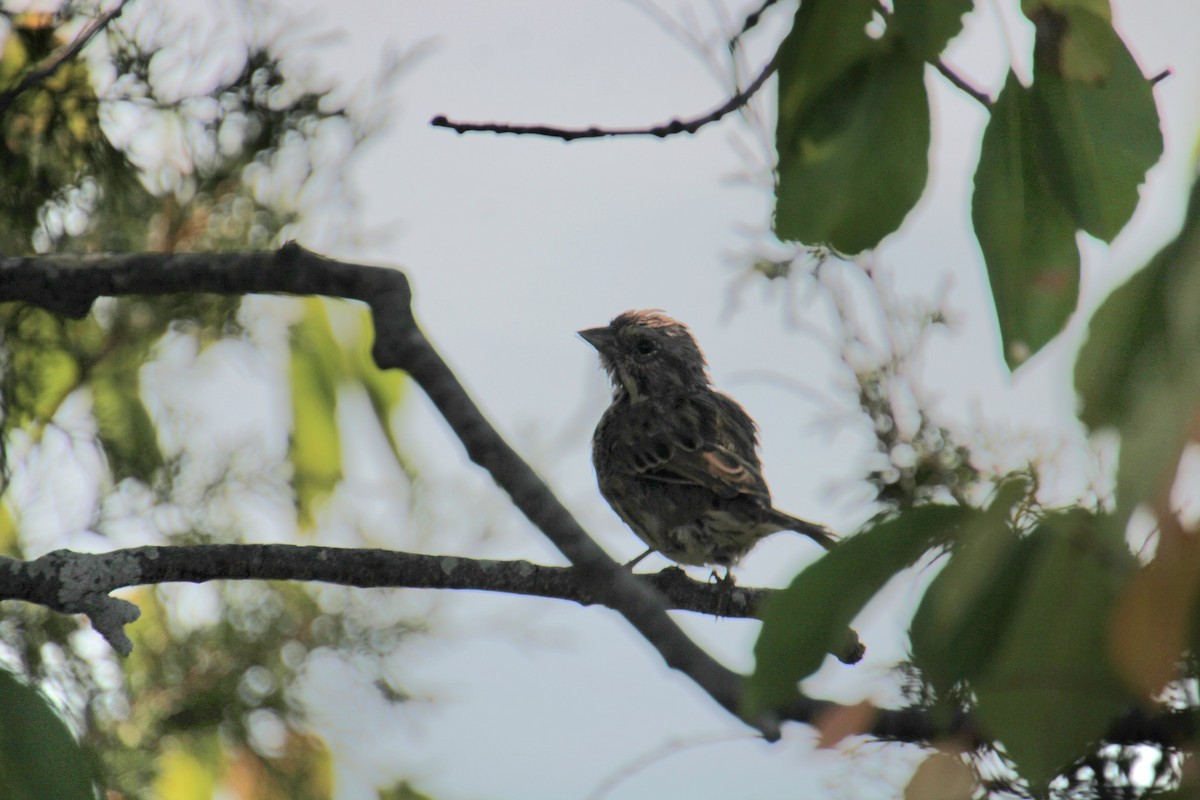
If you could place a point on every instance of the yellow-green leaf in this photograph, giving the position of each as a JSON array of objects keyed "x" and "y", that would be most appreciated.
[
  {"x": 317, "y": 368},
  {"x": 385, "y": 388}
]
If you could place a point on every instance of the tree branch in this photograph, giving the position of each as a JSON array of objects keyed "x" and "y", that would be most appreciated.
[
  {"x": 78, "y": 583},
  {"x": 51, "y": 63},
  {"x": 75, "y": 583},
  {"x": 671, "y": 128},
  {"x": 72, "y": 583},
  {"x": 68, "y": 285}
]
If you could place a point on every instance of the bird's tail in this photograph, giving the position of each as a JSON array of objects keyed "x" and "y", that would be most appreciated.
[{"x": 818, "y": 533}]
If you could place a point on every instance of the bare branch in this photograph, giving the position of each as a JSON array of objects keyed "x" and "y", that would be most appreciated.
[
  {"x": 671, "y": 128},
  {"x": 79, "y": 583},
  {"x": 59, "y": 57}
]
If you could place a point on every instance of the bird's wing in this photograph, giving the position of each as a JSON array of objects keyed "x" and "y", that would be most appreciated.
[{"x": 698, "y": 439}]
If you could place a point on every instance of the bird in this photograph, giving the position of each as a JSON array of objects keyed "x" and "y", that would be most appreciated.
[{"x": 676, "y": 459}]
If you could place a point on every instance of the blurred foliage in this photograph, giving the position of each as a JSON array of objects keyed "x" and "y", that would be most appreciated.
[
  {"x": 108, "y": 154},
  {"x": 1040, "y": 622}
]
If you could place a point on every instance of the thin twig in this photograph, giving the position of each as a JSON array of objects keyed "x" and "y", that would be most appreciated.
[
  {"x": 52, "y": 62},
  {"x": 981, "y": 97},
  {"x": 749, "y": 23},
  {"x": 941, "y": 66},
  {"x": 671, "y": 128}
]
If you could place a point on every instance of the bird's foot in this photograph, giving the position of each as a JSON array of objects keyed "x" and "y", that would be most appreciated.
[
  {"x": 725, "y": 585},
  {"x": 631, "y": 564}
]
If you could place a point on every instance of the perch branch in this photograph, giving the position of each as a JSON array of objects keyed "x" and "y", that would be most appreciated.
[{"x": 73, "y": 582}]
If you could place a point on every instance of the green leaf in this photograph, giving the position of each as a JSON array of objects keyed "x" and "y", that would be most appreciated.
[
  {"x": 1050, "y": 692},
  {"x": 38, "y": 756},
  {"x": 1074, "y": 38},
  {"x": 1099, "y": 7},
  {"x": 827, "y": 39},
  {"x": 968, "y": 606},
  {"x": 839, "y": 181},
  {"x": 1027, "y": 236},
  {"x": 1062, "y": 155},
  {"x": 317, "y": 367},
  {"x": 385, "y": 388},
  {"x": 803, "y": 622},
  {"x": 928, "y": 25},
  {"x": 1139, "y": 369},
  {"x": 1099, "y": 138}
]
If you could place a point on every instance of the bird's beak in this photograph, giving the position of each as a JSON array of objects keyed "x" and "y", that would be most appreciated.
[{"x": 598, "y": 338}]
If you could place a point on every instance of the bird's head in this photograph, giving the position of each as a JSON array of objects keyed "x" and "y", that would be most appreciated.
[{"x": 648, "y": 354}]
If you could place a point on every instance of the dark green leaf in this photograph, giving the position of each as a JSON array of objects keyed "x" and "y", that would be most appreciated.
[
  {"x": 827, "y": 39},
  {"x": 840, "y": 182},
  {"x": 968, "y": 606},
  {"x": 928, "y": 25},
  {"x": 803, "y": 622},
  {"x": 38, "y": 756},
  {"x": 1098, "y": 138},
  {"x": 1062, "y": 155},
  {"x": 1026, "y": 234},
  {"x": 1049, "y": 691}
]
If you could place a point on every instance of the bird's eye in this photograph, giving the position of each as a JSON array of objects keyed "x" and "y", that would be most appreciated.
[{"x": 645, "y": 346}]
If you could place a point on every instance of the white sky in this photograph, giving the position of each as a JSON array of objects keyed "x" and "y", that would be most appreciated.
[{"x": 512, "y": 244}]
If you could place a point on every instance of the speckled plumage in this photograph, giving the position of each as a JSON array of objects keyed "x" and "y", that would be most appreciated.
[{"x": 675, "y": 459}]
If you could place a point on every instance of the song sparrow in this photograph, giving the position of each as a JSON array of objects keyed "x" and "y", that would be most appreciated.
[{"x": 674, "y": 458}]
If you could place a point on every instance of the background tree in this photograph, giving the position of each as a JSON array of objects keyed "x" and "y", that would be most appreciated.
[{"x": 139, "y": 148}]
